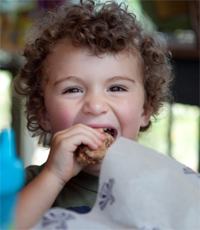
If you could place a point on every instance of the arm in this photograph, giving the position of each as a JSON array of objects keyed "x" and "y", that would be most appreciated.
[{"x": 38, "y": 196}]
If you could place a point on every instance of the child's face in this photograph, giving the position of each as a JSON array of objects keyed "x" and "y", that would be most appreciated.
[{"x": 98, "y": 92}]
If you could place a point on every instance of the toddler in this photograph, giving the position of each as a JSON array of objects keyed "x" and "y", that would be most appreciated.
[{"x": 89, "y": 68}]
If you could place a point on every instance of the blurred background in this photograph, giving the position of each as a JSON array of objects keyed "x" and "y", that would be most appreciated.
[{"x": 176, "y": 131}]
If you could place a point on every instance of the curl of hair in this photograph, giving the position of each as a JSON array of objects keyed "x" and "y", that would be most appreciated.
[{"x": 104, "y": 28}]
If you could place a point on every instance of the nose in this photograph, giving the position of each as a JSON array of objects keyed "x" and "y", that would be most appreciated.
[{"x": 95, "y": 105}]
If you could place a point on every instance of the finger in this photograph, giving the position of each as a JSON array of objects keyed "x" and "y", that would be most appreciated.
[
  {"x": 74, "y": 141},
  {"x": 76, "y": 127},
  {"x": 97, "y": 136}
]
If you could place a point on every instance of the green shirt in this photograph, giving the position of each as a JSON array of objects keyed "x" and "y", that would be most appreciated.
[{"x": 81, "y": 190}]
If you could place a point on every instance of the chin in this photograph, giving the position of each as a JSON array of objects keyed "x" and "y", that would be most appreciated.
[{"x": 93, "y": 169}]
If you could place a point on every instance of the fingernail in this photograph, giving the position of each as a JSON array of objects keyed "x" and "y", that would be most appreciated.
[
  {"x": 100, "y": 130},
  {"x": 99, "y": 143}
]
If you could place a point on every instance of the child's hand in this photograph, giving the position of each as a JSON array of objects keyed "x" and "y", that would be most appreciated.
[{"x": 61, "y": 161}]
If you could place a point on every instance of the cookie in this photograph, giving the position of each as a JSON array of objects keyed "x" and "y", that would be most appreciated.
[{"x": 88, "y": 156}]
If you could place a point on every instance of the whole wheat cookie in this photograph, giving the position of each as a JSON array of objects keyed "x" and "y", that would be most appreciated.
[{"x": 88, "y": 156}]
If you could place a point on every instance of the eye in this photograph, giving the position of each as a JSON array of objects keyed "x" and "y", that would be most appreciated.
[
  {"x": 72, "y": 90},
  {"x": 116, "y": 89}
]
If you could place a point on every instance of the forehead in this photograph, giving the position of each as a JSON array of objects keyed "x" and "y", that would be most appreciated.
[
  {"x": 64, "y": 53},
  {"x": 67, "y": 45}
]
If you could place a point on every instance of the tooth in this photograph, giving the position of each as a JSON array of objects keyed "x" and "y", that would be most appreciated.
[{"x": 108, "y": 129}]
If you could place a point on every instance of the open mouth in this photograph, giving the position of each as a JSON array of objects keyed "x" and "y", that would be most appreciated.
[{"x": 111, "y": 131}]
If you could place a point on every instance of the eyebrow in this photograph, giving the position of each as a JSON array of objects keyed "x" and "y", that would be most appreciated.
[
  {"x": 123, "y": 78},
  {"x": 66, "y": 79},
  {"x": 80, "y": 80}
]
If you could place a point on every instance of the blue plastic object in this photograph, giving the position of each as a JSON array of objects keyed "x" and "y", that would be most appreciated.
[{"x": 12, "y": 178}]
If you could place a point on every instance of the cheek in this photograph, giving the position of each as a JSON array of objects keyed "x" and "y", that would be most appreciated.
[
  {"x": 131, "y": 110},
  {"x": 62, "y": 118},
  {"x": 130, "y": 119}
]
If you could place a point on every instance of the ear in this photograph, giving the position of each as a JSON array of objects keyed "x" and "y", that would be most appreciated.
[
  {"x": 146, "y": 115},
  {"x": 43, "y": 119}
]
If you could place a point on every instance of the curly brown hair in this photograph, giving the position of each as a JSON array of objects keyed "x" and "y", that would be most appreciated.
[{"x": 104, "y": 28}]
